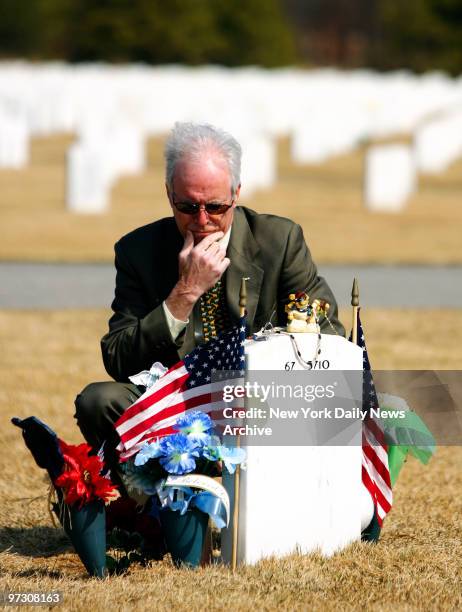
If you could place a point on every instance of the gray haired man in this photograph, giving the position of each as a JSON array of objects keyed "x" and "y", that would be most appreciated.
[{"x": 178, "y": 278}]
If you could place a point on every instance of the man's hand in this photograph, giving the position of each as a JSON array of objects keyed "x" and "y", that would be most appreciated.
[{"x": 200, "y": 267}]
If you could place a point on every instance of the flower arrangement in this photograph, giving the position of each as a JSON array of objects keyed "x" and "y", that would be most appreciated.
[
  {"x": 193, "y": 449},
  {"x": 82, "y": 490},
  {"x": 81, "y": 479}
]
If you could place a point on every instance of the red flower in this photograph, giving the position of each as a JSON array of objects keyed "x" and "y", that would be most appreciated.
[{"x": 81, "y": 479}]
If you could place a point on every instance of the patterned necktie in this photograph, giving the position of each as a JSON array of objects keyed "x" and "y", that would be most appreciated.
[{"x": 214, "y": 312}]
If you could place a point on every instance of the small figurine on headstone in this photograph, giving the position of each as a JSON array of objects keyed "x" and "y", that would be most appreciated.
[
  {"x": 319, "y": 308},
  {"x": 303, "y": 317},
  {"x": 298, "y": 310}
]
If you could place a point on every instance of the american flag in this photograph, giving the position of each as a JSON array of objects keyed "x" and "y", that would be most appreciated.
[
  {"x": 375, "y": 472},
  {"x": 188, "y": 385}
]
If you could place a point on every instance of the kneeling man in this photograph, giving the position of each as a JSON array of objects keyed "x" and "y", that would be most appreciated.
[{"x": 178, "y": 278}]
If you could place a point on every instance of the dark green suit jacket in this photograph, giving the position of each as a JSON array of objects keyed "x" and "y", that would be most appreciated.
[{"x": 270, "y": 250}]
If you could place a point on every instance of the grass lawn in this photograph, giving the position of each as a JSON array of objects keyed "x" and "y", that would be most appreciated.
[{"x": 48, "y": 357}]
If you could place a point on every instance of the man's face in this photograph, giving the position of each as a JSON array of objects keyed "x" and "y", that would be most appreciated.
[{"x": 201, "y": 182}]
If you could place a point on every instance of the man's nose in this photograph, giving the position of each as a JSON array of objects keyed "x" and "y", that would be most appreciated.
[{"x": 202, "y": 217}]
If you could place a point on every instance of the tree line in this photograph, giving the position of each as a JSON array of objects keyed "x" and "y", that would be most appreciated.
[
  {"x": 419, "y": 35},
  {"x": 231, "y": 33},
  {"x": 384, "y": 34}
]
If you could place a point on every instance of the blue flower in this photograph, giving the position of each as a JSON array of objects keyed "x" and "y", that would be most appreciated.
[
  {"x": 196, "y": 425},
  {"x": 178, "y": 453},
  {"x": 150, "y": 450},
  {"x": 231, "y": 457}
]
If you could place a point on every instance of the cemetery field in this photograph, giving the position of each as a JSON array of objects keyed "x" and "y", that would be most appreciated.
[
  {"x": 49, "y": 356},
  {"x": 326, "y": 200}
]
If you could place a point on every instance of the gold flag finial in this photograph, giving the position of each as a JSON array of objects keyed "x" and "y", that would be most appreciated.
[
  {"x": 243, "y": 295},
  {"x": 355, "y": 304}
]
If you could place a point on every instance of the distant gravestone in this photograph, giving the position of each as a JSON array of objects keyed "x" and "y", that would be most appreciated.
[
  {"x": 310, "y": 142},
  {"x": 326, "y": 131},
  {"x": 259, "y": 163},
  {"x": 108, "y": 148},
  {"x": 128, "y": 152},
  {"x": 438, "y": 143},
  {"x": 88, "y": 184},
  {"x": 123, "y": 144},
  {"x": 259, "y": 148},
  {"x": 14, "y": 142},
  {"x": 390, "y": 177}
]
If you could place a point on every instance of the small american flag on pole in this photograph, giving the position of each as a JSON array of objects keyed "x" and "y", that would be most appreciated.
[
  {"x": 187, "y": 385},
  {"x": 375, "y": 471}
]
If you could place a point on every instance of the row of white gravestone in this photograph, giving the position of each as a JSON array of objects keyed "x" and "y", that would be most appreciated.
[
  {"x": 110, "y": 147},
  {"x": 94, "y": 164},
  {"x": 53, "y": 97},
  {"x": 326, "y": 112},
  {"x": 391, "y": 171}
]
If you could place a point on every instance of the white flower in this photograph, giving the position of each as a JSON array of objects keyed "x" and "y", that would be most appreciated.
[
  {"x": 148, "y": 378},
  {"x": 392, "y": 402}
]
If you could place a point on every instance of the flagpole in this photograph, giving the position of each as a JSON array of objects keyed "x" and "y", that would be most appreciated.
[
  {"x": 242, "y": 305},
  {"x": 355, "y": 304}
]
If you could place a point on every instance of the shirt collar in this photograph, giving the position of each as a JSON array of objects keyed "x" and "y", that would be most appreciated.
[{"x": 225, "y": 240}]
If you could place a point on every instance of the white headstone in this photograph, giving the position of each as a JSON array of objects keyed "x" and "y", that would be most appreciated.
[
  {"x": 88, "y": 184},
  {"x": 298, "y": 498},
  {"x": 438, "y": 143},
  {"x": 390, "y": 177},
  {"x": 259, "y": 163},
  {"x": 14, "y": 142},
  {"x": 325, "y": 129},
  {"x": 128, "y": 155}
]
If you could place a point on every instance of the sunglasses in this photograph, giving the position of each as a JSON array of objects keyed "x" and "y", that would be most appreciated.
[{"x": 211, "y": 208}]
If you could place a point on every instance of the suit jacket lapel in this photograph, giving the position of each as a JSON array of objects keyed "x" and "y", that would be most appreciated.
[
  {"x": 165, "y": 256},
  {"x": 243, "y": 252}
]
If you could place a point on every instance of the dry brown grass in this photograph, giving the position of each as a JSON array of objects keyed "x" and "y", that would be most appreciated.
[
  {"x": 48, "y": 356},
  {"x": 325, "y": 200}
]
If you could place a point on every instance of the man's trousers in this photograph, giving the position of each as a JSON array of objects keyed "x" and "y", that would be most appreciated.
[{"x": 98, "y": 407}]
